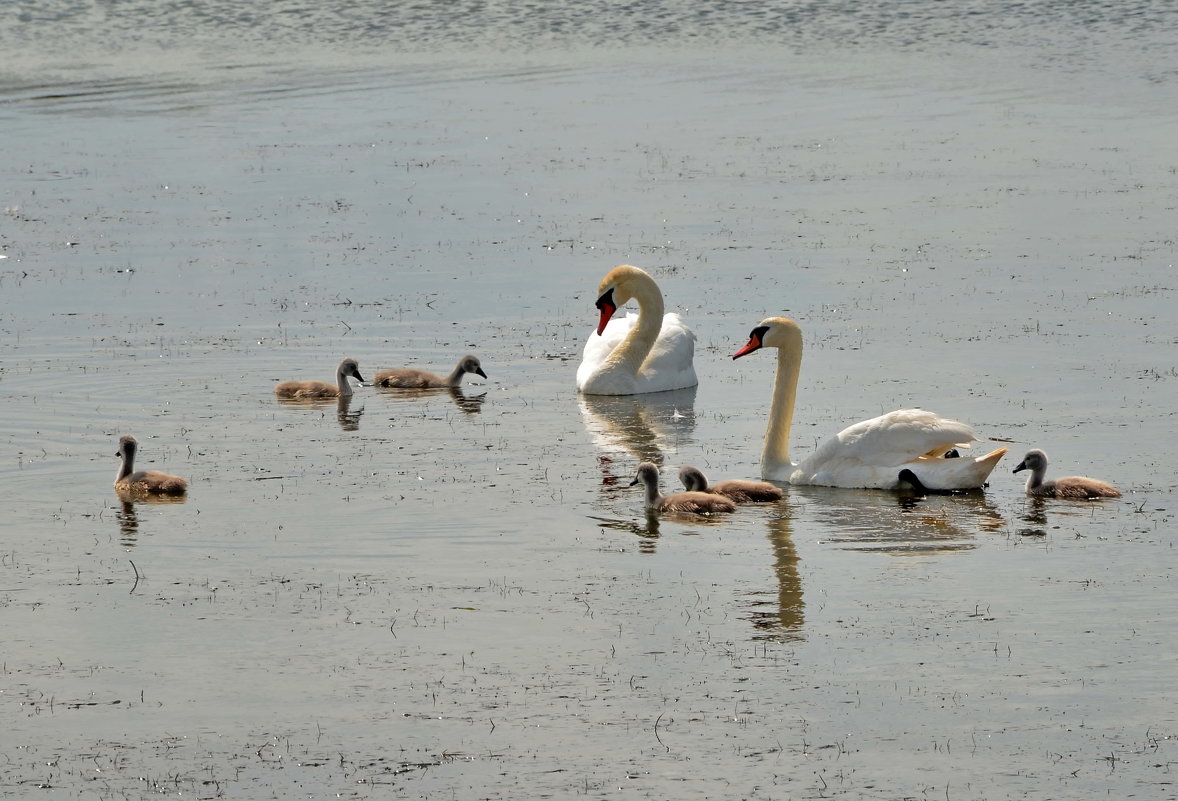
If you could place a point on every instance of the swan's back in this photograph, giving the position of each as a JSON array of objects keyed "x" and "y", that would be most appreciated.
[
  {"x": 897, "y": 437},
  {"x": 700, "y": 503},
  {"x": 871, "y": 453},
  {"x": 152, "y": 482},
  {"x": 747, "y": 491},
  {"x": 408, "y": 378},
  {"x": 306, "y": 389},
  {"x": 734, "y": 490},
  {"x": 1077, "y": 487}
]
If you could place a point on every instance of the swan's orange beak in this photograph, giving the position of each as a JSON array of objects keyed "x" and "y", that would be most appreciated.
[
  {"x": 607, "y": 307},
  {"x": 754, "y": 343}
]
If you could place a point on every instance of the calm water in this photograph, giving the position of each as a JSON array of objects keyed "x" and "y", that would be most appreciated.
[{"x": 968, "y": 207}]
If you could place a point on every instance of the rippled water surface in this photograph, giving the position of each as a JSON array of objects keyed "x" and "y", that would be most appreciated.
[{"x": 968, "y": 207}]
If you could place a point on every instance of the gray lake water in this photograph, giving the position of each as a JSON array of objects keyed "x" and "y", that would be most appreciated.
[{"x": 431, "y": 594}]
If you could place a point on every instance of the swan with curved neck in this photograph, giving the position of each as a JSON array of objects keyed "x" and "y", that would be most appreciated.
[
  {"x": 868, "y": 454},
  {"x": 409, "y": 378},
  {"x": 302, "y": 390},
  {"x": 147, "y": 482},
  {"x": 735, "y": 490},
  {"x": 1080, "y": 487},
  {"x": 650, "y": 352},
  {"x": 692, "y": 502}
]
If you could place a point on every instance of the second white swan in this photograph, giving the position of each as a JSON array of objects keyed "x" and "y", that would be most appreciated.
[
  {"x": 647, "y": 352},
  {"x": 868, "y": 454}
]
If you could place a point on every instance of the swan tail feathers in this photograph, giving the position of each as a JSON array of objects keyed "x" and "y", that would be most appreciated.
[{"x": 958, "y": 473}]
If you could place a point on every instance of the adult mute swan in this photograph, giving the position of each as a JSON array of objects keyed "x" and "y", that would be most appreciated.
[
  {"x": 701, "y": 503},
  {"x": 419, "y": 379},
  {"x": 735, "y": 490},
  {"x": 870, "y": 453},
  {"x": 145, "y": 482},
  {"x": 647, "y": 352},
  {"x": 1067, "y": 487},
  {"x": 301, "y": 390}
]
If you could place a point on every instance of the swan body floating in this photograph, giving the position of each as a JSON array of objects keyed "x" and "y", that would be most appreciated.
[
  {"x": 409, "y": 378},
  {"x": 1068, "y": 487},
  {"x": 868, "y": 454},
  {"x": 145, "y": 482},
  {"x": 735, "y": 490},
  {"x": 692, "y": 502},
  {"x": 906, "y": 476},
  {"x": 303, "y": 390},
  {"x": 635, "y": 354}
]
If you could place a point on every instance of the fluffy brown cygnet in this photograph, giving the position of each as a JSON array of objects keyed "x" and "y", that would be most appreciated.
[
  {"x": 420, "y": 379},
  {"x": 145, "y": 481},
  {"x": 298, "y": 390},
  {"x": 694, "y": 502},
  {"x": 1067, "y": 487},
  {"x": 735, "y": 490}
]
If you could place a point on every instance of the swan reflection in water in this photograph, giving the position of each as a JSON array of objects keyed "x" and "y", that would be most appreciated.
[
  {"x": 348, "y": 418},
  {"x": 1034, "y": 520},
  {"x": 647, "y": 527},
  {"x": 467, "y": 404},
  {"x": 628, "y": 429},
  {"x": 777, "y": 614},
  {"x": 127, "y": 516},
  {"x": 901, "y": 524},
  {"x": 904, "y": 523}
]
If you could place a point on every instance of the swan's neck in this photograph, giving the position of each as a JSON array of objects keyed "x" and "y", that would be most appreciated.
[
  {"x": 781, "y": 414},
  {"x": 632, "y": 351},
  {"x": 653, "y": 496},
  {"x": 455, "y": 377},
  {"x": 1035, "y": 480},
  {"x": 126, "y": 467},
  {"x": 345, "y": 387}
]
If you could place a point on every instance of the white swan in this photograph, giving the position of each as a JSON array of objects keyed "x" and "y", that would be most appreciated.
[
  {"x": 868, "y": 454},
  {"x": 647, "y": 352}
]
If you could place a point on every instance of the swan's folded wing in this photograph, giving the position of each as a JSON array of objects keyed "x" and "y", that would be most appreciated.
[
  {"x": 671, "y": 362},
  {"x": 895, "y": 438},
  {"x": 668, "y": 365}
]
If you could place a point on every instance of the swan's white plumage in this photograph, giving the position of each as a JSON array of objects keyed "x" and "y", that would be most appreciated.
[
  {"x": 669, "y": 365},
  {"x": 867, "y": 454},
  {"x": 638, "y": 353}
]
